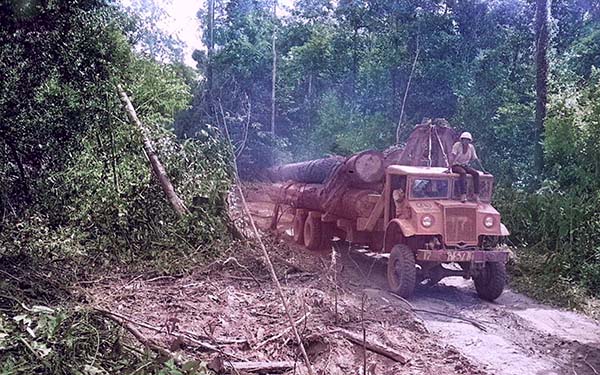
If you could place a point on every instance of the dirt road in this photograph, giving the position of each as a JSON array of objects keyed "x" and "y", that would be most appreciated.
[
  {"x": 512, "y": 336},
  {"x": 443, "y": 330}
]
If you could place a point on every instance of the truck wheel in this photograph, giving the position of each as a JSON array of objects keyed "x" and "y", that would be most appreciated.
[
  {"x": 313, "y": 233},
  {"x": 402, "y": 271},
  {"x": 490, "y": 282},
  {"x": 299, "y": 219}
]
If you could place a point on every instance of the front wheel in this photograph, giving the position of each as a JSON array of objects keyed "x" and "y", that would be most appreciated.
[
  {"x": 491, "y": 281},
  {"x": 402, "y": 271}
]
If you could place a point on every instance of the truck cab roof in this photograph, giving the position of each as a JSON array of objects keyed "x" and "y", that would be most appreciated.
[{"x": 407, "y": 170}]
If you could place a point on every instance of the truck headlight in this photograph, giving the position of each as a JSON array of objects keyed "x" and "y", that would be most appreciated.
[
  {"x": 426, "y": 221},
  {"x": 488, "y": 222}
]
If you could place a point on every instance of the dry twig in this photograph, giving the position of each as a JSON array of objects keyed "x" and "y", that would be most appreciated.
[
  {"x": 267, "y": 258},
  {"x": 281, "y": 334},
  {"x": 375, "y": 347}
]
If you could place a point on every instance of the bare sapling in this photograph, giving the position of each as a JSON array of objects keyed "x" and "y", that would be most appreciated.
[{"x": 265, "y": 254}]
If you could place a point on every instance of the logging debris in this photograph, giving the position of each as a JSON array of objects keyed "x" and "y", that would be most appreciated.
[{"x": 247, "y": 321}]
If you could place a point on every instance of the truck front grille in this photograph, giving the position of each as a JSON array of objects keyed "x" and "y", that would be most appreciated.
[{"x": 461, "y": 226}]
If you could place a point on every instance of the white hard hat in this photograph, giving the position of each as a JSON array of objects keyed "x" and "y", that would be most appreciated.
[{"x": 466, "y": 135}]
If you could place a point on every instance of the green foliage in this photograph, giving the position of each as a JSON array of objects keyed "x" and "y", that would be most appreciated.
[
  {"x": 77, "y": 191},
  {"x": 38, "y": 339},
  {"x": 560, "y": 223},
  {"x": 77, "y": 172}
]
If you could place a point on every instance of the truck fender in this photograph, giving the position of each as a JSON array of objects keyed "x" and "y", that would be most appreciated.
[
  {"x": 396, "y": 231},
  {"x": 503, "y": 230}
]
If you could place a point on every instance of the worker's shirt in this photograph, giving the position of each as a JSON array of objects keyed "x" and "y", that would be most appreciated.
[{"x": 466, "y": 157}]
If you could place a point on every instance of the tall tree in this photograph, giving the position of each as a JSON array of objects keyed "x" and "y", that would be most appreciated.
[
  {"x": 542, "y": 15},
  {"x": 211, "y": 47},
  {"x": 274, "y": 68}
]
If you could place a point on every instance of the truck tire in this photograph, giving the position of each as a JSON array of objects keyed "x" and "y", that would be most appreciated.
[
  {"x": 402, "y": 271},
  {"x": 491, "y": 281},
  {"x": 313, "y": 233},
  {"x": 299, "y": 219}
]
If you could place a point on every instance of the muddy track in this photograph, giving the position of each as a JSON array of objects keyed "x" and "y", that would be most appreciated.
[{"x": 513, "y": 335}]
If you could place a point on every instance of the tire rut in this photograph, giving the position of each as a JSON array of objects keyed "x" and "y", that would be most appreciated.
[{"x": 516, "y": 335}]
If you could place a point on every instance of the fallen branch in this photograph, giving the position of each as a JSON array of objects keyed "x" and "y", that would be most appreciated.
[
  {"x": 235, "y": 261},
  {"x": 185, "y": 337},
  {"x": 261, "y": 367},
  {"x": 590, "y": 365},
  {"x": 220, "y": 367},
  {"x": 281, "y": 334},
  {"x": 156, "y": 165},
  {"x": 374, "y": 347},
  {"x": 147, "y": 342}
]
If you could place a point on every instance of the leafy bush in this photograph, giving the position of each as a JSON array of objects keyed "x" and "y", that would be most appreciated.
[
  {"x": 64, "y": 339},
  {"x": 76, "y": 181}
]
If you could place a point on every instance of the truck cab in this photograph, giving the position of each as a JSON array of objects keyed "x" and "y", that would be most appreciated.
[{"x": 428, "y": 227}]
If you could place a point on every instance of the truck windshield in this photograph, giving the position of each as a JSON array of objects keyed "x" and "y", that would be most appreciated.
[
  {"x": 429, "y": 188},
  {"x": 485, "y": 189}
]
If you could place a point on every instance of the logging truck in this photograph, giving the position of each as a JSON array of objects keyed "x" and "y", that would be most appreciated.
[{"x": 415, "y": 219}]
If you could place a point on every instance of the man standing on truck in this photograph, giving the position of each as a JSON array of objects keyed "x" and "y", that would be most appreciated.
[{"x": 463, "y": 153}]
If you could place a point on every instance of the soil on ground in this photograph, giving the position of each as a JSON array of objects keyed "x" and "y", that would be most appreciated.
[{"x": 445, "y": 329}]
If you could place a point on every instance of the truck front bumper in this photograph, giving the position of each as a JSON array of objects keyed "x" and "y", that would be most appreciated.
[{"x": 475, "y": 256}]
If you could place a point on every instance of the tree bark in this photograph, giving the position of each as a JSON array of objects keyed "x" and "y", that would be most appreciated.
[
  {"x": 312, "y": 171},
  {"x": 274, "y": 72},
  {"x": 365, "y": 167},
  {"x": 351, "y": 204},
  {"x": 542, "y": 15},
  {"x": 211, "y": 47},
  {"x": 155, "y": 164}
]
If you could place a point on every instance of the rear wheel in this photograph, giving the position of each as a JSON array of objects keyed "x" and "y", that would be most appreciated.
[
  {"x": 299, "y": 219},
  {"x": 401, "y": 271},
  {"x": 491, "y": 281},
  {"x": 313, "y": 233}
]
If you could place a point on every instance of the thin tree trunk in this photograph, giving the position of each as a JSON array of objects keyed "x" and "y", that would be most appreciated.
[
  {"x": 274, "y": 76},
  {"x": 15, "y": 156},
  {"x": 156, "y": 165},
  {"x": 412, "y": 71},
  {"x": 211, "y": 47},
  {"x": 542, "y": 15}
]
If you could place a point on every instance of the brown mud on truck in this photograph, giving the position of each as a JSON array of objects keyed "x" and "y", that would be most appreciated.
[{"x": 410, "y": 214}]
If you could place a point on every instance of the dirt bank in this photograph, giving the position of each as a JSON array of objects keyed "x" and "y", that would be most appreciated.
[{"x": 233, "y": 305}]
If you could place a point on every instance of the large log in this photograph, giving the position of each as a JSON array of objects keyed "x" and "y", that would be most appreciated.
[
  {"x": 310, "y": 172},
  {"x": 366, "y": 167},
  {"x": 353, "y": 203}
]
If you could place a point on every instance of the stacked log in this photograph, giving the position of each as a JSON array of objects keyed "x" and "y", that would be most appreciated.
[
  {"x": 352, "y": 204},
  {"x": 310, "y": 172},
  {"x": 342, "y": 186}
]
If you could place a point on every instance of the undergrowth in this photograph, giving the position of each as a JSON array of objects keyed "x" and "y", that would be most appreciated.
[{"x": 47, "y": 329}]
